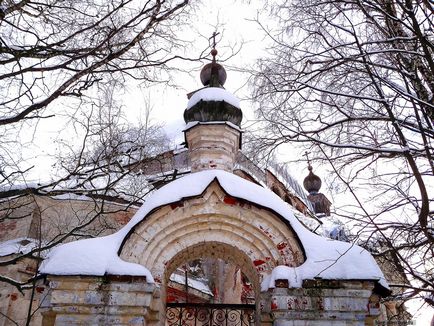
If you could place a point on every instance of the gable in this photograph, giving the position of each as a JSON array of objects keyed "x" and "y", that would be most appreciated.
[{"x": 264, "y": 239}]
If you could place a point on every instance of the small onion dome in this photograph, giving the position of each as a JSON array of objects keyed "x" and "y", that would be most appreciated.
[
  {"x": 213, "y": 74},
  {"x": 312, "y": 183},
  {"x": 213, "y": 104}
]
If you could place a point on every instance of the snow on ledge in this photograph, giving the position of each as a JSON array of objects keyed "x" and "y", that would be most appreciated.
[
  {"x": 325, "y": 258},
  {"x": 18, "y": 246},
  {"x": 191, "y": 124},
  {"x": 192, "y": 283},
  {"x": 213, "y": 94}
]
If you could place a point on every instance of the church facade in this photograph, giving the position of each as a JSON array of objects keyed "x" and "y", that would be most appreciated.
[{"x": 216, "y": 212}]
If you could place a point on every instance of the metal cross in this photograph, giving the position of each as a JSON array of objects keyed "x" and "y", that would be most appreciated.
[
  {"x": 307, "y": 158},
  {"x": 214, "y": 43}
]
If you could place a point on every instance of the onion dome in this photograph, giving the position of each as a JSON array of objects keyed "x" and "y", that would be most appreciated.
[
  {"x": 213, "y": 103},
  {"x": 213, "y": 74},
  {"x": 312, "y": 183}
]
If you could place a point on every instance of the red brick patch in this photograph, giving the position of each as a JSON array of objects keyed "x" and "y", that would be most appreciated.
[{"x": 230, "y": 200}]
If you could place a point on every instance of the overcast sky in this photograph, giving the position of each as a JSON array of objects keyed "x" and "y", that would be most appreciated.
[{"x": 237, "y": 30}]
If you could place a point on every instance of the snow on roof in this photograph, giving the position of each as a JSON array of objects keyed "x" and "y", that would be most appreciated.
[
  {"x": 191, "y": 124},
  {"x": 21, "y": 186},
  {"x": 213, "y": 94},
  {"x": 18, "y": 246},
  {"x": 192, "y": 283},
  {"x": 325, "y": 258},
  {"x": 71, "y": 196}
]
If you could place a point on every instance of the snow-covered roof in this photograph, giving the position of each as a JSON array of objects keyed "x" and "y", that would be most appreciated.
[
  {"x": 213, "y": 94},
  {"x": 195, "y": 123},
  {"x": 192, "y": 283},
  {"x": 325, "y": 258},
  {"x": 18, "y": 246}
]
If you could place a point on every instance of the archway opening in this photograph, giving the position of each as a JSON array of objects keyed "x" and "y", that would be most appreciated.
[
  {"x": 211, "y": 283},
  {"x": 210, "y": 280}
]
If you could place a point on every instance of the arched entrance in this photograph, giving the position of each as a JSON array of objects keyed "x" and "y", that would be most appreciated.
[
  {"x": 212, "y": 224},
  {"x": 216, "y": 308}
]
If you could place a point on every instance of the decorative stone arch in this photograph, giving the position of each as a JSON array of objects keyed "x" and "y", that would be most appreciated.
[{"x": 212, "y": 224}]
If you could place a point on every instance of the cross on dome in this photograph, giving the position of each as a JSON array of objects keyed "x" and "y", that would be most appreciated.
[{"x": 213, "y": 74}]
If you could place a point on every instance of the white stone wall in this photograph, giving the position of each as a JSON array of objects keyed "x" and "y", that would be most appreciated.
[
  {"x": 99, "y": 301},
  {"x": 320, "y": 303},
  {"x": 212, "y": 146}
]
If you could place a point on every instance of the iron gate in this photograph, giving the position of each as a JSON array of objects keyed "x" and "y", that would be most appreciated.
[{"x": 210, "y": 314}]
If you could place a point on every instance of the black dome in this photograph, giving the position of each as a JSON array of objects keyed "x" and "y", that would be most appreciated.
[
  {"x": 211, "y": 69},
  {"x": 312, "y": 183}
]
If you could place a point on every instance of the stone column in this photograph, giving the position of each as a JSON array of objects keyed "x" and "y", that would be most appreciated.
[
  {"x": 319, "y": 303},
  {"x": 109, "y": 300}
]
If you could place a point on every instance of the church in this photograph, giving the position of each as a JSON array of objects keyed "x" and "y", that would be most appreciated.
[{"x": 221, "y": 213}]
